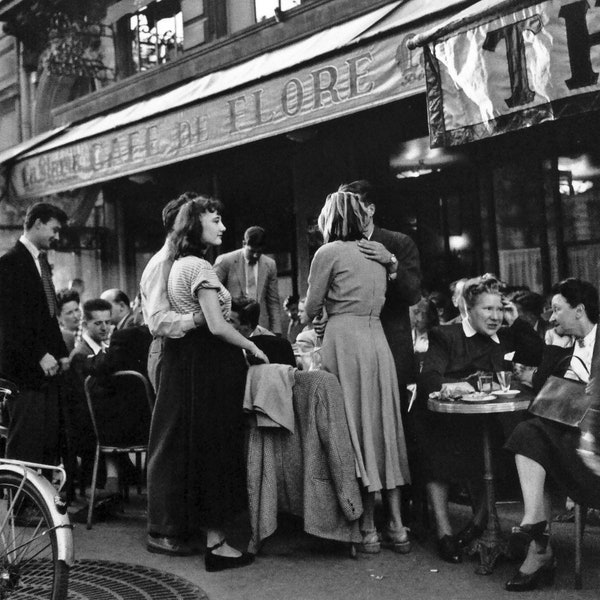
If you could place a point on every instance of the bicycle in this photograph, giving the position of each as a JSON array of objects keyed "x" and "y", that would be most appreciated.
[{"x": 36, "y": 541}]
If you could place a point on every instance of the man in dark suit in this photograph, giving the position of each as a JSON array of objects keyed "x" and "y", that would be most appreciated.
[
  {"x": 94, "y": 339},
  {"x": 32, "y": 350},
  {"x": 248, "y": 272},
  {"x": 121, "y": 313},
  {"x": 399, "y": 254}
]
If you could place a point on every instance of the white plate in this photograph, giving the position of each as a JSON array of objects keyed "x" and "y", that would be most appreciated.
[
  {"x": 477, "y": 398},
  {"x": 507, "y": 394}
]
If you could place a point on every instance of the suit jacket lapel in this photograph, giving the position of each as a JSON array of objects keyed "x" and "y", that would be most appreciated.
[
  {"x": 241, "y": 271},
  {"x": 33, "y": 275},
  {"x": 260, "y": 280}
]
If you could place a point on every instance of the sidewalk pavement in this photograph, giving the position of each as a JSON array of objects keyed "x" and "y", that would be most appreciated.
[{"x": 293, "y": 565}]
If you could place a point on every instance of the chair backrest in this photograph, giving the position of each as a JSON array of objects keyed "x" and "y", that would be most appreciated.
[{"x": 120, "y": 407}]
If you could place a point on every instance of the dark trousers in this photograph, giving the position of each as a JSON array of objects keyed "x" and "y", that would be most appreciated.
[
  {"x": 155, "y": 355},
  {"x": 33, "y": 433}
]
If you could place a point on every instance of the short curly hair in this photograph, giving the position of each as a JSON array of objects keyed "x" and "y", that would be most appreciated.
[{"x": 478, "y": 286}]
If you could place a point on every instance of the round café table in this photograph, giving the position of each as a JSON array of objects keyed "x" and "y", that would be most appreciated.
[{"x": 491, "y": 544}]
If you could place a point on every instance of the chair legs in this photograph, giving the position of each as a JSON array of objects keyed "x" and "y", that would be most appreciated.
[
  {"x": 93, "y": 490},
  {"x": 580, "y": 517}
]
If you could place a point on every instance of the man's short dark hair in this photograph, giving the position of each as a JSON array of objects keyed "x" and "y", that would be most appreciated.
[
  {"x": 248, "y": 310},
  {"x": 289, "y": 300},
  {"x": 363, "y": 188},
  {"x": 577, "y": 291},
  {"x": 530, "y": 302},
  {"x": 65, "y": 296},
  {"x": 170, "y": 211},
  {"x": 93, "y": 305},
  {"x": 44, "y": 212},
  {"x": 255, "y": 237},
  {"x": 121, "y": 296}
]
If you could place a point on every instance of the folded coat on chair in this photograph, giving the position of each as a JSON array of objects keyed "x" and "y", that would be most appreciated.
[{"x": 311, "y": 473}]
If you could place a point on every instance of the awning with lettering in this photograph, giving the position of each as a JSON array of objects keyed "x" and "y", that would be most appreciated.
[
  {"x": 20, "y": 149},
  {"x": 504, "y": 65},
  {"x": 301, "y": 84}
]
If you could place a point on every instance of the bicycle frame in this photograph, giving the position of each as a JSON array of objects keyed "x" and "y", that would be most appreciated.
[{"x": 26, "y": 470}]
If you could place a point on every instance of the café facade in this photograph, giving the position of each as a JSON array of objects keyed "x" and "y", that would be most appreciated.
[
  {"x": 517, "y": 82},
  {"x": 506, "y": 182}
]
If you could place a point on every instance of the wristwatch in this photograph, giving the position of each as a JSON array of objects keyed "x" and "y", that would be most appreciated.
[{"x": 393, "y": 260}]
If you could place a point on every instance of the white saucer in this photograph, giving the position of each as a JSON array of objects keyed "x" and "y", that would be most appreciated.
[
  {"x": 507, "y": 394},
  {"x": 477, "y": 398}
]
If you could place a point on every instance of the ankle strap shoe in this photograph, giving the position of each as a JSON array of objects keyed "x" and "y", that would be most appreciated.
[{"x": 216, "y": 562}]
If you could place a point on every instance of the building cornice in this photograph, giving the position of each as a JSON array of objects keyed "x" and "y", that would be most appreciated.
[{"x": 300, "y": 22}]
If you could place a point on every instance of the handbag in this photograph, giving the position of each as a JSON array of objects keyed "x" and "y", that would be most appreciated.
[{"x": 562, "y": 400}]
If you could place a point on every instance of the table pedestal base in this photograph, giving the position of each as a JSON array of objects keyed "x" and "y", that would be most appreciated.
[{"x": 490, "y": 548}]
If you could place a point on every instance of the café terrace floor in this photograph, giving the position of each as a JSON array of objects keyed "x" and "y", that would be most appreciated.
[{"x": 293, "y": 565}]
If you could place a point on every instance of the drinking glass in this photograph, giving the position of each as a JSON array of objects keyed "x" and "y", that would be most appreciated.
[
  {"x": 484, "y": 382},
  {"x": 504, "y": 379}
]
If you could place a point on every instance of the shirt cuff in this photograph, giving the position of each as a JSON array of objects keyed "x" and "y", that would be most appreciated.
[{"x": 187, "y": 322}]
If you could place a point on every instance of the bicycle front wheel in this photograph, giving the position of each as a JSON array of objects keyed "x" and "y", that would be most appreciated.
[{"x": 29, "y": 565}]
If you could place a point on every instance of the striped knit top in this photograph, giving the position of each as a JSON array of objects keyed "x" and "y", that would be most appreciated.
[{"x": 188, "y": 275}]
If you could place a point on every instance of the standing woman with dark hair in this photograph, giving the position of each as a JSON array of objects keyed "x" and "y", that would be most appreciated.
[
  {"x": 352, "y": 289},
  {"x": 196, "y": 478}
]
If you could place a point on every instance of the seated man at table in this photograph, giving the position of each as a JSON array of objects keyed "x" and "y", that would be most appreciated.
[
  {"x": 547, "y": 450},
  {"x": 128, "y": 350},
  {"x": 450, "y": 446},
  {"x": 245, "y": 314}
]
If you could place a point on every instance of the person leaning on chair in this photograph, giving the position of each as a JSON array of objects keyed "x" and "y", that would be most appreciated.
[{"x": 546, "y": 451}]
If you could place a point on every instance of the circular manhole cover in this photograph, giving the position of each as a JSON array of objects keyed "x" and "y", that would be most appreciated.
[{"x": 105, "y": 580}]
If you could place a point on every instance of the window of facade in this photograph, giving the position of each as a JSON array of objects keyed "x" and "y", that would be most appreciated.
[
  {"x": 156, "y": 34},
  {"x": 265, "y": 9}
]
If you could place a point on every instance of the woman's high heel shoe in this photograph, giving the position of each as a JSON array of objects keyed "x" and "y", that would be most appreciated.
[
  {"x": 216, "y": 562},
  {"x": 521, "y": 536},
  {"x": 397, "y": 540},
  {"x": 371, "y": 543},
  {"x": 526, "y": 582}
]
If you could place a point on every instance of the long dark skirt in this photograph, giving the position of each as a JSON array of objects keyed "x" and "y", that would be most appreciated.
[
  {"x": 554, "y": 447},
  {"x": 196, "y": 475}
]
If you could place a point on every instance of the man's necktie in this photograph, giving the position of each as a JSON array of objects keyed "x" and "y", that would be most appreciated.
[
  {"x": 251, "y": 283},
  {"x": 47, "y": 283}
]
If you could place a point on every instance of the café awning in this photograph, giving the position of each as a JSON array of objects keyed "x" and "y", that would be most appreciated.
[
  {"x": 503, "y": 65},
  {"x": 347, "y": 68}
]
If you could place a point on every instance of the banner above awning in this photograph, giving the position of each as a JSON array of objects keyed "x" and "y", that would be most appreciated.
[{"x": 501, "y": 66}]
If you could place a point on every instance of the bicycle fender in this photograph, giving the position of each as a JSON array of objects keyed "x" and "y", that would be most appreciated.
[{"x": 63, "y": 527}]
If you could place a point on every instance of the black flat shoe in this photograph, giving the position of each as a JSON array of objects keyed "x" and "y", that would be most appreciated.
[
  {"x": 521, "y": 536},
  {"x": 522, "y": 582},
  {"x": 449, "y": 550},
  {"x": 466, "y": 536},
  {"x": 216, "y": 562}
]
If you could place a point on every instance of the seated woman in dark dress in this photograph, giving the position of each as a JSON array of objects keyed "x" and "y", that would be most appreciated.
[
  {"x": 546, "y": 449},
  {"x": 449, "y": 446}
]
